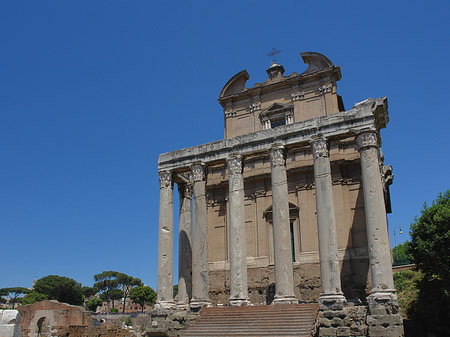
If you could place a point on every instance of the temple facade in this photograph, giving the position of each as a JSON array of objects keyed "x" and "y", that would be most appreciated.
[{"x": 296, "y": 194}]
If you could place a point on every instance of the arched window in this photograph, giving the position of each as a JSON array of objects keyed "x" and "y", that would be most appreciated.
[{"x": 294, "y": 228}]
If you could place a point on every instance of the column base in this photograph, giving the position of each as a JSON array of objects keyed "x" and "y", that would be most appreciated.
[
  {"x": 379, "y": 296},
  {"x": 239, "y": 302},
  {"x": 197, "y": 304},
  {"x": 284, "y": 299},
  {"x": 332, "y": 301},
  {"x": 165, "y": 305},
  {"x": 182, "y": 306}
]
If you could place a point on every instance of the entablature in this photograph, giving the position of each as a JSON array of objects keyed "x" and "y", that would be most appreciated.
[{"x": 363, "y": 116}]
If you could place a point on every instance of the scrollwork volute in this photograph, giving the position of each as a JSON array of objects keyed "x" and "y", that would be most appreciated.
[
  {"x": 234, "y": 165},
  {"x": 165, "y": 179},
  {"x": 198, "y": 172},
  {"x": 367, "y": 139},
  {"x": 277, "y": 156},
  {"x": 185, "y": 190}
]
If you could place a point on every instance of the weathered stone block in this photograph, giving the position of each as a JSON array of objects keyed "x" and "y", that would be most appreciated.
[
  {"x": 327, "y": 332},
  {"x": 336, "y": 321},
  {"x": 325, "y": 322},
  {"x": 395, "y": 331},
  {"x": 377, "y": 331},
  {"x": 343, "y": 331}
]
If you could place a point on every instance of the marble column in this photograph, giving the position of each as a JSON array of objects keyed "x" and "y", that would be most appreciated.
[
  {"x": 165, "y": 243},
  {"x": 326, "y": 227},
  {"x": 238, "y": 243},
  {"x": 200, "y": 279},
  {"x": 376, "y": 220},
  {"x": 284, "y": 283},
  {"x": 184, "y": 243}
]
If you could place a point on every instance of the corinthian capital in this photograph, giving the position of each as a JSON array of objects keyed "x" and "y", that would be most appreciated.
[
  {"x": 198, "y": 172},
  {"x": 185, "y": 190},
  {"x": 319, "y": 148},
  {"x": 277, "y": 156},
  {"x": 234, "y": 164},
  {"x": 367, "y": 139},
  {"x": 165, "y": 179}
]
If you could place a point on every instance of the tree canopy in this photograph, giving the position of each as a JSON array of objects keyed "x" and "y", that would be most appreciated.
[
  {"x": 14, "y": 293},
  {"x": 33, "y": 297},
  {"x": 60, "y": 288},
  {"x": 93, "y": 303},
  {"x": 430, "y": 239},
  {"x": 143, "y": 295}
]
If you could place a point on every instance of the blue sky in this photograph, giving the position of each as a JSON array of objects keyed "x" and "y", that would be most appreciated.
[{"x": 92, "y": 91}]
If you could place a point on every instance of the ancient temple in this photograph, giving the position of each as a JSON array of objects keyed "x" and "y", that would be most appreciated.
[{"x": 296, "y": 194}]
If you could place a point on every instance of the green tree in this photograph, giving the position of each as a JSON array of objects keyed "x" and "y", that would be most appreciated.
[
  {"x": 175, "y": 290},
  {"x": 143, "y": 295},
  {"x": 430, "y": 250},
  {"x": 60, "y": 288},
  {"x": 111, "y": 295},
  {"x": 88, "y": 292},
  {"x": 92, "y": 304},
  {"x": 14, "y": 293},
  {"x": 33, "y": 297},
  {"x": 105, "y": 282},
  {"x": 127, "y": 282},
  {"x": 400, "y": 254},
  {"x": 430, "y": 239}
]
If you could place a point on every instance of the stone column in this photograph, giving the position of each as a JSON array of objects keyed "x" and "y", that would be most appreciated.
[
  {"x": 238, "y": 243},
  {"x": 200, "y": 279},
  {"x": 376, "y": 221},
  {"x": 165, "y": 242},
  {"x": 184, "y": 242},
  {"x": 326, "y": 227},
  {"x": 284, "y": 283}
]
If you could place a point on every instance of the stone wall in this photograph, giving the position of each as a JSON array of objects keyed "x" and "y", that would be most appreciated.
[
  {"x": 9, "y": 323},
  {"x": 45, "y": 316}
]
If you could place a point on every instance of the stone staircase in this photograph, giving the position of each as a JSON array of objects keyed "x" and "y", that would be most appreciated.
[{"x": 266, "y": 320}]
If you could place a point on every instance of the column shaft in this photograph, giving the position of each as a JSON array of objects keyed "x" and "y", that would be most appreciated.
[
  {"x": 238, "y": 243},
  {"x": 326, "y": 225},
  {"x": 284, "y": 282},
  {"x": 376, "y": 220},
  {"x": 165, "y": 242},
  {"x": 200, "y": 279},
  {"x": 185, "y": 249}
]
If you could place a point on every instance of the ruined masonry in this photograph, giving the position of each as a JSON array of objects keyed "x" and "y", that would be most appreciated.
[{"x": 296, "y": 195}]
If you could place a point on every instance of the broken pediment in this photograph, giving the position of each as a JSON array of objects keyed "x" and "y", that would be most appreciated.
[
  {"x": 236, "y": 84},
  {"x": 316, "y": 62}
]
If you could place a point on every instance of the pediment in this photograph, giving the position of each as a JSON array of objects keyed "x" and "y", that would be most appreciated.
[{"x": 276, "y": 108}]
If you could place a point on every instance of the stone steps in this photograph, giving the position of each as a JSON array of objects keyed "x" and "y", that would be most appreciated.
[{"x": 267, "y": 320}]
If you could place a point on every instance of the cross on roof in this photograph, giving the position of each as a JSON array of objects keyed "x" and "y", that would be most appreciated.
[{"x": 274, "y": 52}]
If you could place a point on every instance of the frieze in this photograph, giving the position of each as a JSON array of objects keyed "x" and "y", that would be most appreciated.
[
  {"x": 319, "y": 148},
  {"x": 367, "y": 139},
  {"x": 277, "y": 156},
  {"x": 234, "y": 165},
  {"x": 165, "y": 179},
  {"x": 198, "y": 172}
]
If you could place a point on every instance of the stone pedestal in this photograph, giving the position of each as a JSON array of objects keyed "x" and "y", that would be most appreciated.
[
  {"x": 165, "y": 243},
  {"x": 184, "y": 242},
  {"x": 326, "y": 226},
  {"x": 200, "y": 279},
  {"x": 284, "y": 284},
  {"x": 238, "y": 244}
]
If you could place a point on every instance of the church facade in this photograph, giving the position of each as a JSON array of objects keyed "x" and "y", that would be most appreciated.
[{"x": 296, "y": 194}]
